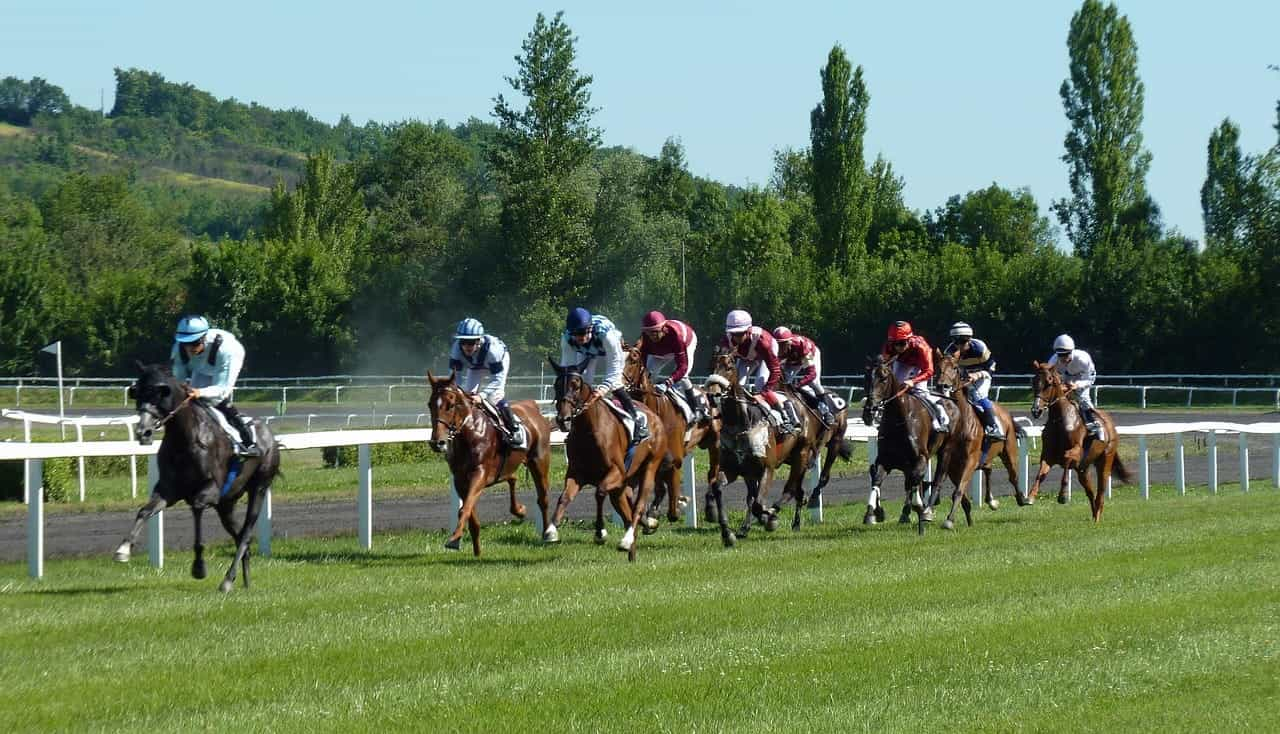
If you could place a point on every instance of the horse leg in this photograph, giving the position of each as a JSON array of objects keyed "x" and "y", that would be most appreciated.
[
  {"x": 643, "y": 496},
  {"x": 768, "y": 517},
  {"x": 155, "y": 503},
  {"x": 1067, "y": 467},
  {"x": 1041, "y": 474},
  {"x": 713, "y": 480},
  {"x": 875, "y": 511},
  {"x": 517, "y": 509},
  {"x": 571, "y": 488},
  {"x": 243, "y": 539},
  {"x": 915, "y": 481},
  {"x": 716, "y": 495},
  {"x": 1011, "y": 467},
  {"x": 675, "y": 479},
  {"x": 540, "y": 469},
  {"x": 753, "y": 491},
  {"x": 470, "y": 494},
  {"x": 795, "y": 487},
  {"x": 1103, "y": 469},
  {"x": 988, "y": 499},
  {"x": 1094, "y": 495},
  {"x": 198, "y": 570},
  {"x": 601, "y": 533}
]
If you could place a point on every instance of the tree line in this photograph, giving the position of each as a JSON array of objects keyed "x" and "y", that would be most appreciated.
[{"x": 374, "y": 241}]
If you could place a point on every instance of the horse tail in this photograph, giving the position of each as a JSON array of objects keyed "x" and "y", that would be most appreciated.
[{"x": 1120, "y": 471}]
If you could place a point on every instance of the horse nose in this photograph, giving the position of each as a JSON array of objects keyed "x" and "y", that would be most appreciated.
[{"x": 437, "y": 446}]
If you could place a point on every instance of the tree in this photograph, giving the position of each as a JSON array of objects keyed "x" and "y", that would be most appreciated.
[
  {"x": 836, "y": 129},
  {"x": 1008, "y": 220},
  {"x": 1222, "y": 198},
  {"x": 21, "y": 101},
  {"x": 668, "y": 186},
  {"x": 546, "y": 216},
  {"x": 1103, "y": 100}
]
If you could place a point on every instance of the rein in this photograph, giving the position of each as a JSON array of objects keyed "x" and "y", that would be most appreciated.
[
  {"x": 174, "y": 412},
  {"x": 454, "y": 428}
]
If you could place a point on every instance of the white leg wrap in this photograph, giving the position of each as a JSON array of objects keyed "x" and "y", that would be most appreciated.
[
  {"x": 628, "y": 539},
  {"x": 874, "y": 498}
]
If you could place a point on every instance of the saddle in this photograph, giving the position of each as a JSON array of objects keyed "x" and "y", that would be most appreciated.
[
  {"x": 677, "y": 398},
  {"x": 491, "y": 412},
  {"x": 621, "y": 413}
]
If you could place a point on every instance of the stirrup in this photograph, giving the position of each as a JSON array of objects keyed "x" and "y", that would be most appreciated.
[{"x": 249, "y": 451}]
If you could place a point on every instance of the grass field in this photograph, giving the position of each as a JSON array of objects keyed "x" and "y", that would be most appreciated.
[{"x": 1165, "y": 617}]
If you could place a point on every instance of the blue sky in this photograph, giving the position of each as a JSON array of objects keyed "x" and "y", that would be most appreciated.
[{"x": 962, "y": 94}]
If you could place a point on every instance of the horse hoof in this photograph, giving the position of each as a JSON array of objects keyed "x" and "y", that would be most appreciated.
[
  {"x": 948, "y": 525},
  {"x": 710, "y": 515},
  {"x": 682, "y": 502},
  {"x": 551, "y": 535},
  {"x": 728, "y": 540},
  {"x": 905, "y": 517},
  {"x": 1062, "y": 499},
  {"x": 453, "y": 545},
  {"x": 626, "y": 544},
  {"x": 926, "y": 515},
  {"x": 649, "y": 526},
  {"x": 771, "y": 523},
  {"x": 870, "y": 518},
  {"x": 198, "y": 570},
  {"x": 601, "y": 536},
  {"x": 226, "y": 586},
  {"x": 994, "y": 504},
  {"x": 879, "y": 514},
  {"x": 121, "y": 556},
  {"x": 518, "y": 513}
]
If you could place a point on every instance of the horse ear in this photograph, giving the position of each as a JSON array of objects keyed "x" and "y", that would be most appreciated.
[
  {"x": 430, "y": 378},
  {"x": 555, "y": 365},
  {"x": 453, "y": 376},
  {"x": 937, "y": 353},
  {"x": 1035, "y": 364},
  {"x": 142, "y": 368}
]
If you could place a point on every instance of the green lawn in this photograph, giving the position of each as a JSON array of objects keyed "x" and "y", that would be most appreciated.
[{"x": 1165, "y": 617}]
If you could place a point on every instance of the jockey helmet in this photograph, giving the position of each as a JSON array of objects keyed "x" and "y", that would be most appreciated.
[
  {"x": 469, "y": 330},
  {"x": 737, "y": 321},
  {"x": 1064, "y": 344},
  {"x": 900, "y": 330},
  {"x": 960, "y": 328},
  {"x": 652, "y": 321},
  {"x": 782, "y": 334},
  {"x": 578, "y": 321},
  {"x": 191, "y": 329}
]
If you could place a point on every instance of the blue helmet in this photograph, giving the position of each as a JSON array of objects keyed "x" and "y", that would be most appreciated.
[
  {"x": 579, "y": 320},
  {"x": 191, "y": 329},
  {"x": 469, "y": 329}
]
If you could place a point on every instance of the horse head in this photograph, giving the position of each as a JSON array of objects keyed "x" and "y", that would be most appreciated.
[
  {"x": 1046, "y": 387},
  {"x": 949, "y": 376},
  {"x": 573, "y": 394},
  {"x": 449, "y": 405},
  {"x": 155, "y": 395},
  {"x": 879, "y": 387},
  {"x": 635, "y": 375}
]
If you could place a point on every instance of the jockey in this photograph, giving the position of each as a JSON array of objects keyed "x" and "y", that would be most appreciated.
[
  {"x": 1076, "y": 369},
  {"x": 209, "y": 361},
  {"x": 484, "y": 363},
  {"x": 976, "y": 364},
  {"x": 587, "y": 338},
  {"x": 757, "y": 358},
  {"x": 668, "y": 341},
  {"x": 913, "y": 365},
  {"x": 801, "y": 361}
]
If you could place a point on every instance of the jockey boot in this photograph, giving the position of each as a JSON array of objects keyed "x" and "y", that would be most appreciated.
[
  {"x": 517, "y": 438},
  {"x": 824, "y": 410},
  {"x": 696, "y": 401},
  {"x": 1091, "y": 422},
  {"x": 990, "y": 425},
  {"x": 941, "y": 423},
  {"x": 642, "y": 423},
  {"x": 248, "y": 447},
  {"x": 790, "y": 421}
]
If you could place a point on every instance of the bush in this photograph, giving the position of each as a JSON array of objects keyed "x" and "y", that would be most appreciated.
[
  {"x": 412, "y": 452},
  {"x": 59, "y": 480}
]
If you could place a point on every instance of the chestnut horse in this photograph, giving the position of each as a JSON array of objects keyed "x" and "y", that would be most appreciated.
[
  {"x": 195, "y": 461},
  {"x": 477, "y": 455},
  {"x": 968, "y": 448},
  {"x": 832, "y": 438},
  {"x": 904, "y": 441},
  {"x": 1065, "y": 441},
  {"x": 753, "y": 450},
  {"x": 600, "y": 454},
  {"x": 706, "y": 435}
]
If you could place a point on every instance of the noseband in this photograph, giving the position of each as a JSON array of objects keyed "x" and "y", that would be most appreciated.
[{"x": 161, "y": 421}]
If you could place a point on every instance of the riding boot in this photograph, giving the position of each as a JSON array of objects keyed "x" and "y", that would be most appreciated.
[
  {"x": 700, "y": 412},
  {"x": 987, "y": 414},
  {"x": 790, "y": 421},
  {"x": 516, "y": 435},
  {"x": 825, "y": 412},
  {"x": 1091, "y": 422},
  {"x": 642, "y": 423},
  {"x": 942, "y": 423},
  {"x": 248, "y": 432}
]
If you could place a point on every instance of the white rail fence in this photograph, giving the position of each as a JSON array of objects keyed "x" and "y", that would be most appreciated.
[{"x": 34, "y": 454}]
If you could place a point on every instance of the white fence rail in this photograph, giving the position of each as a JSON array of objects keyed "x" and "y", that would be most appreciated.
[{"x": 34, "y": 454}]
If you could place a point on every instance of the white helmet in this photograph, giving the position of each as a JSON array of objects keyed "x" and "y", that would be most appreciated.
[
  {"x": 1064, "y": 344},
  {"x": 737, "y": 321},
  {"x": 960, "y": 328}
]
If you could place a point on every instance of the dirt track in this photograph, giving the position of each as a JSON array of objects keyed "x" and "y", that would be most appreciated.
[{"x": 91, "y": 534}]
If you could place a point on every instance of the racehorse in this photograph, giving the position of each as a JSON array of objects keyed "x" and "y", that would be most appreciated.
[
  {"x": 832, "y": 438},
  {"x": 479, "y": 457},
  {"x": 196, "y": 465},
  {"x": 904, "y": 441},
  {"x": 1065, "y": 441},
  {"x": 600, "y": 454},
  {"x": 639, "y": 382},
  {"x": 753, "y": 450},
  {"x": 968, "y": 448}
]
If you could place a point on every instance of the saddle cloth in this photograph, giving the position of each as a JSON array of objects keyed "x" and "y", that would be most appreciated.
[
  {"x": 232, "y": 433},
  {"x": 628, "y": 424},
  {"x": 677, "y": 397}
]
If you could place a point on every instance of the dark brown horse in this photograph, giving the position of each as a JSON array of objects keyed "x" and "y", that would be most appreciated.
[
  {"x": 752, "y": 449},
  {"x": 904, "y": 441},
  {"x": 832, "y": 438},
  {"x": 600, "y": 455},
  {"x": 477, "y": 455},
  {"x": 968, "y": 449},
  {"x": 195, "y": 461},
  {"x": 1065, "y": 441},
  {"x": 706, "y": 435}
]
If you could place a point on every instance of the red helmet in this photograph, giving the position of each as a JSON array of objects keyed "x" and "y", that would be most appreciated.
[
  {"x": 900, "y": 330},
  {"x": 653, "y": 320},
  {"x": 782, "y": 333}
]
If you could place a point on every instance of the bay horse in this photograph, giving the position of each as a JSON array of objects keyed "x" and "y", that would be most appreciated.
[
  {"x": 600, "y": 454},
  {"x": 478, "y": 456},
  {"x": 1065, "y": 441},
  {"x": 195, "y": 462},
  {"x": 904, "y": 441},
  {"x": 968, "y": 449},
  {"x": 706, "y": 435},
  {"x": 752, "y": 449},
  {"x": 833, "y": 439}
]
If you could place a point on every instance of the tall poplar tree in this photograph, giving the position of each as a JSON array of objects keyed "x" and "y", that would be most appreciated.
[{"x": 836, "y": 129}]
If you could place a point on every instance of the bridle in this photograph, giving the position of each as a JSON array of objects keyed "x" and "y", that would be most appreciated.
[{"x": 452, "y": 428}]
